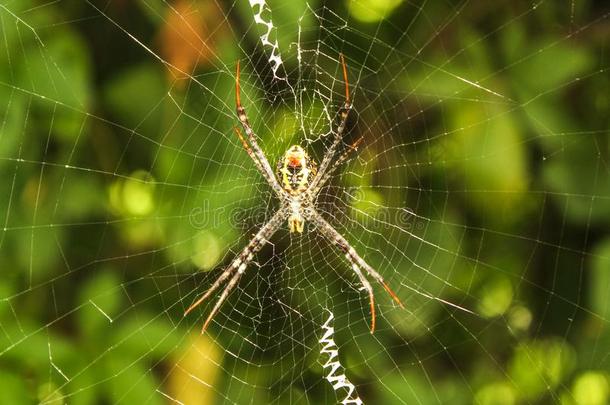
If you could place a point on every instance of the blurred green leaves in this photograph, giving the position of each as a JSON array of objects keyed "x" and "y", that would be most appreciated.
[
  {"x": 493, "y": 149},
  {"x": 542, "y": 86},
  {"x": 590, "y": 388},
  {"x": 133, "y": 196},
  {"x": 208, "y": 250},
  {"x": 100, "y": 300},
  {"x": 537, "y": 367},
  {"x": 134, "y": 96},
  {"x": 54, "y": 72},
  {"x": 483, "y": 145},
  {"x": 496, "y": 297},
  {"x": 371, "y": 11},
  {"x": 599, "y": 283},
  {"x": 497, "y": 393},
  {"x": 13, "y": 107},
  {"x": 13, "y": 390}
]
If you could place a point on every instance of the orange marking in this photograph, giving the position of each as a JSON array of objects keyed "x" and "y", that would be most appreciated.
[
  {"x": 237, "y": 98},
  {"x": 194, "y": 305},
  {"x": 241, "y": 138},
  {"x": 393, "y": 294},
  {"x": 347, "y": 101},
  {"x": 205, "y": 325},
  {"x": 294, "y": 160},
  {"x": 372, "y": 300},
  {"x": 358, "y": 142}
]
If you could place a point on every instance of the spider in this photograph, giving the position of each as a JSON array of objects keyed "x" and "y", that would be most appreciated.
[{"x": 297, "y": 186}]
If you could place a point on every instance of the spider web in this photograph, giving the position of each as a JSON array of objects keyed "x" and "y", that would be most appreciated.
[{"x": 480, "y": 193}]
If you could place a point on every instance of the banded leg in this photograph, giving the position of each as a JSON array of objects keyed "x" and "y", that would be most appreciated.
[
  {"x": 263, "y": 163},
  {"x": 238, "y": 265},
  {"x": 248, "y": 149},
  {"x": 367, "y": 286},
  {"x": 330, "y": 153},
  {"x": 357, "y": 262},
  {"x": 338, "y": 162}
]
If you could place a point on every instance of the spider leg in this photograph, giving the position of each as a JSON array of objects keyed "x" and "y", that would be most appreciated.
[
  {"x": 255, "y": 151},
  {"x": 367, "y": 286},
  {"x": 228, "y": 271},
  {"x": 248, "y": 149},
  {"x": 338, "y": 162},
  {"x": 239, "y": 264},
  {"x": 355, "y": 260},
  {"x": 223, "y": 297},
  {"x": 330, "y": 153},
  {"x": 354, "y": 257}
]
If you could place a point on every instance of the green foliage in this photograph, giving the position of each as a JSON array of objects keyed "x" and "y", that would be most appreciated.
[
  {"x": 600, "y": 280},
  {"x": 486, "y": 156}
]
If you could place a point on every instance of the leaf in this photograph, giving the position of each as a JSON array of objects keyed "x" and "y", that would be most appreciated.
[
  {"x": 412, "y": 388},
  {"x": 147, "y": 335},
  {"x": 38, "y": 252},
  {"x": 496, "y": 297},
  {"x": 497, "y": 393},
  {"x": 13, "y": 389},
  {"x": 195, "y": 370},
  {"x": 584, "y": 194},
  {"x": 599, "y": 282},
  {"x": 131, "y": 383},
  {"x": 540, "y": 70},
  {"x": 591, "y": 388},
  {"x": 58, "y": 75},
  {"x": 489, "y": 157},
  {"x": 134, "y": 96},
  {"x": 540, "y": 365},
  {"x": 543, "y": 73},
  {"x": 100, "y": 299},
  {"x": 28, "y": 344},
  {"x": 12, "y": 121},
  {"x": 372, "y": 11}
]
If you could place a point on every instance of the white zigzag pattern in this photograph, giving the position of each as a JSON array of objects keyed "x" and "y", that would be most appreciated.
[
  {"x": 275, "y": 59},
  {"x": 338, "y": 381}
]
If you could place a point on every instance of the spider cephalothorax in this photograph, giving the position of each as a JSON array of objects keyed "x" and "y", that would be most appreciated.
[{"x": 297, "y": 184}]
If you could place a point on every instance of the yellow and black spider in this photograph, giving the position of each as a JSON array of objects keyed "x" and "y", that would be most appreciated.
[{"x": 297, "y": 185}]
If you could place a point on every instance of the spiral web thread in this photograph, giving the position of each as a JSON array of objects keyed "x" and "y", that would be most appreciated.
[{"x": 479, "y": 198}]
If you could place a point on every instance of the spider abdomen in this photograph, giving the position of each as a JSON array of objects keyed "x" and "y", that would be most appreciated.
[{"x": 295, "y": 170}]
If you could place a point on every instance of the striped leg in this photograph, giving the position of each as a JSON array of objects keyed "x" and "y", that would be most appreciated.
[
  {"x": 330, "y": 153},
  {"x": 255, "y": 151},
  {"x": 357, "y": 262},
  {"x": 314, "y": 191},
  {"x": 367, "y": 286},
  {"x": 238, "y": 265},
  {"x": 248, "y": 149}
]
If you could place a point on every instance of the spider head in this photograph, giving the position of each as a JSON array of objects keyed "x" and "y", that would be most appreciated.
[{"x": 295, "y": 170}]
